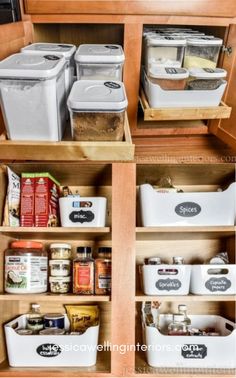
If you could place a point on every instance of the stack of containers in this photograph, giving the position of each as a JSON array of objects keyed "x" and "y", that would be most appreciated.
[
  {"x": 60, "y": 268},
  {"x": 97, "y": 102}
]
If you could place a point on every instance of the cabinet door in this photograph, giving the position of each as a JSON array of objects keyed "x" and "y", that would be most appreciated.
[
  {"x": 226, "y": 128},
  {"x": 12, "y": 37}
]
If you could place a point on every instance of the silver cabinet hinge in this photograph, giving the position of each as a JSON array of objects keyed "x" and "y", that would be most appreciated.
[{"x": 227, "y": 50}]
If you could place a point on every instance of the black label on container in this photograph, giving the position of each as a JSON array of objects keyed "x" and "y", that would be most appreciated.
[
  {"x": 112, "y": 47},
  {"x": 51, "y": 57},
  {"x": 188, "y": 209},
  {"x": 65, "y": 46},
  {"x": 208, "y": 70},
  {"x": 218, "y": 284},
  {"x": 111, "y": 84},
  {"x": 81, "y": 216},
  {"x": 48, "y": 350},
  {"x": 194, "y": 351},
  {"x": 168, "y": 284}
]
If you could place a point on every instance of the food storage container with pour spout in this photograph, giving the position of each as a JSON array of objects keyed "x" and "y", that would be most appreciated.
[{"x": 202, "y": 52}]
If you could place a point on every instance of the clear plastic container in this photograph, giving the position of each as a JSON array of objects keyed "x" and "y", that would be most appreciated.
[
  {"x": 60, "y": 251},
  {"x": 206, "y": 78},
  {"x": 60, "y": 285},
  {"x": 60, "y": 268},
  {"x": 161, "y": 51},
  {"x": 169, "y": 78},
  {"x": 97, "y": 110},
  {"x": 202, "y": 52},
  {"x": 178, "y": 327},
  {"x": 99, "y": 62},
  {"x": 33, "y": 97}
]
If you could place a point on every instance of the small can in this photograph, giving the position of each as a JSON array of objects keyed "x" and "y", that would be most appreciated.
[
  {"x": 56, "y": 320},
  {"x": 178, "y": 260},
  {"x": 52, "y": 331},
  {"x": 154, "y": 261},
  {"x": 24, "y": 332}
]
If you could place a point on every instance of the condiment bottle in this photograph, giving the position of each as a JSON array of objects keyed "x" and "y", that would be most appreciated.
[
  {"x": 178, "y": 260},
  {"x": 183, "y": 310},
  {"x": 83, "y": 272},
  {"x": 35, "y": 319},
  {"x": 178, "y": 326},
  {"x": 103, "y": 271}
]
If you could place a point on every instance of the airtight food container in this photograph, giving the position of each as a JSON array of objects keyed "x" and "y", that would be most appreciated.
[
  {"x": 206, "y": 78},
  {"x": 161, "y": 51},
  {"x": 97, "y": 110},
  {"x": 169, "y": 78},
  {"x": 99, "y": 62},
  {"x": 32, "y": 90},
  {"x": 66, "y": 50},
  {"x": 202, "y": 52}
]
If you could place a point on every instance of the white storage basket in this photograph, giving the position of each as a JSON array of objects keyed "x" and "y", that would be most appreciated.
[
  {"x": 213, "y": 279},
  {"x": 192, "y": 351},
  {"x": 41, "y": 350},
  {"x": 160, "y": 98},
  {"x": 187, "y": 209},
  {"x": 83, "y": 211},
  {"x": 166, "y": 279}
]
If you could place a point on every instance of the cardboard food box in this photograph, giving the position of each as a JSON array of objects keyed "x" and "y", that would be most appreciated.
[{"x": 27, "y": 200}]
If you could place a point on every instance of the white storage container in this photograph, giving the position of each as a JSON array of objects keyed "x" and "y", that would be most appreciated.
[
  {"x": 99, "y": 62},
  {"x": 169, "y": 78},
  {"x": 160, "y": 98},
  {"x": 33, "y": 102},
  {"x": 219, "y": 279},
  {"x": 161, "y": 51},
  {"x": 206, "y": 78},
  {"x": 83, "y": 211},
  {"x": 97, "y": 110},
  {"x": 166, "y": 279},
  {"x": 202, "y": 52},
  {"x": 66, "y": 50},
  {"x": 192, "y": 351},
  {"x": 50, "y": 350},
  {"x": 187, "y": 209}
]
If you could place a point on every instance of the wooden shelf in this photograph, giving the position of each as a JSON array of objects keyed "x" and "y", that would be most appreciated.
[
  {"x": 85, "y": 233},
  {"x": 184, "y": 113},
  {"x": 58, "y": 298},
  {"x": 184, "y": 232},
  {"x": 140, "y": 297}
]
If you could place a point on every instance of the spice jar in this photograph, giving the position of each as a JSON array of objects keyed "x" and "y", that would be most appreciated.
[
  {"x": 83, "y": 272},
  {"x": 59, "y": 285},
  {"x": 59, "y": 268},
  {"x": 103, "y": 271},
  {"x": 169, "y": 78},
  {"x": 60, "y": 251},
  {"x": 26, "y": 268}
]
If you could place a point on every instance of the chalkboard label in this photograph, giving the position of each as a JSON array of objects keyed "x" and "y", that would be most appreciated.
[
  {"x": 168, "y": 284},
  {"x": 218, "y": 284},
  {"x": 81, "y": 216},
  {"x": 194, "y": 351},
  {"x": 48, "y": 350},
  {"x": 188, "y": 209},
  {"x": 112, "y": 85}
]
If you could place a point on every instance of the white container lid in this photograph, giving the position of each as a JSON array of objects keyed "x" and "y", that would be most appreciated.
[
  {"x": 99, "y": 54},
  {"x": 60, "y": 245},
  {"x": 59, "y": 48},
  {"x": 97, "y": 95},
  {"x": 170, "y": 73},
  {"x": 59, "y": 279},
  {"x": 31, "y": 66},
  {"x": 207, "y": 73},
  {"x": 166, "y": 41},
  {"x": 206, "y": 40},
  {"x": 55, "y": 262}
]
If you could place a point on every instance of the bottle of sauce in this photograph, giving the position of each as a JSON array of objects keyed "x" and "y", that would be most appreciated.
[
  {"x": 35, "y": 319},
  {"x": 178, "y": 326},
  {"x": 103, "y": 271},
  {"x": 83, "y": 272}
]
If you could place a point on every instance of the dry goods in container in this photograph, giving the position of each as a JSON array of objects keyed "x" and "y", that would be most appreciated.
[
  {"x": 12, "y": 204},
  {"x": 60, "y": 285},
  {"x": 169, "y": 78},
  {"x": 83, "y": 272},
  {"x": 202, "y": 52},
  {"x": 103, "y": 271},
  {"x": 60, "y": 251}
]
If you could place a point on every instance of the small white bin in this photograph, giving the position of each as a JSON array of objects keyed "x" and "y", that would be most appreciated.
[
  {"x": 99, "y": 62},
  {"x": 213, "y": 279},
  {"x": 33, "y": 101},
  {"x": 160, "y": 98},
  {"x": 54, "y": 351},
  {"x": 187, "y": 209},
  {"x": 192, "y": 351},
  {"x": 66, "y": 50},
  {"x": 83, "y": 211},
  {"x": 166, "y": 279}
]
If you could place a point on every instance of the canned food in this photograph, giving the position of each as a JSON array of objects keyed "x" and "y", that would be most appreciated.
[
  {"x": 56, "y": 320},
  {"x": 24, "y": 332},
  {"x": 52, "y": 331}
]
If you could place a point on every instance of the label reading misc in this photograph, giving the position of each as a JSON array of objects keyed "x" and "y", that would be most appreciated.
[
  {"x": 48, "y": 350},
  {"x": 168, "y": 284},
  {"x": 81, "y": 216},
  {"x": 112, "y": 85},
  {"x": 51, "y": 57},
  {"x": 194, "y": 351},
  {"x": 112, "y": 47},
  {"x": 188, "y": 209},
  {"x": 218, "y": 284}
]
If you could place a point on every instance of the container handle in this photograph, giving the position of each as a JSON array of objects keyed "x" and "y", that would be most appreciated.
[
  {"x": 216, "y": 271},
  {"x": 167, "y": 272}
]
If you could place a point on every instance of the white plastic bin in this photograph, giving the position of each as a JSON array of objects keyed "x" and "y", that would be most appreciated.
[
  {"x": 166, "y": 279},
  {"x": 192, "y": 351},
  {"x": 83, "y": 211},
  {"x": 99, "y": 62},
  {"x": 33, "y": 101},
  {"x": 54, "y": 351},
  {"x": 66, "y": 50},
  {"x": 213, "y": 279},
  {"x": 187, "y": 209},
  {"x": 160, "y": 98}
]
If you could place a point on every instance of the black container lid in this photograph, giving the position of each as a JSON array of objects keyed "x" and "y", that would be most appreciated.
[
  {"x": 84, "y": 250},
  {"x": 104, "y": 250}
]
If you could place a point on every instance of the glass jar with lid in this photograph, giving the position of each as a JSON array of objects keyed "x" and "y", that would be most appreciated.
[
  {"x": 103, "y": 271},
  {"x": 178, "y": 326},
  {"x": 60, "y": 251},
  {"x": 26, "y": 268}
]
